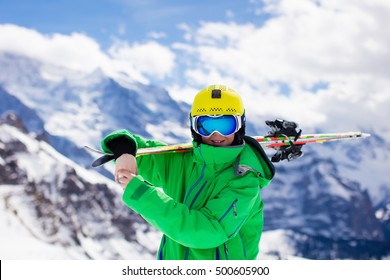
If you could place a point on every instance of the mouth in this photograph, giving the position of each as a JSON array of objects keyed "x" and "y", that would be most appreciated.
[{"x": 217, "y": 141}]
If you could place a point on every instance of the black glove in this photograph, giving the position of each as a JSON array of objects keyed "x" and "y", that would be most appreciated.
[{"x": 119, "y": 143}]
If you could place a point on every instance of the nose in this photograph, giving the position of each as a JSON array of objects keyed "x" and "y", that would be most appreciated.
[{"x": 216, "y": 134}]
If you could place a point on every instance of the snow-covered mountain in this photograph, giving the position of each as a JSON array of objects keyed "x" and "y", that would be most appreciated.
[
  {"x": 332, "y": 203},
  {"x": 78, "y": 109},
  {"x": 328, "y": 215},
  {"x": 53, "y": 208}
]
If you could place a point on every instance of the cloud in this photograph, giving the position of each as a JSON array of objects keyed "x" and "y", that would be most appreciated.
[
  {"x": 82, "y": 53},
  {"x": 156, "y": 35},
  {"x": 320, "y": 63},
  {"x": 76, "y": 50},
  {"x": 151, "y": 58},
  {"x": 331, "y": 41},
  {"x": 344, "y": 46}
]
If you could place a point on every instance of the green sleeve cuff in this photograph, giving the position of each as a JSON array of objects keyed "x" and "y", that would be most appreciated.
[
  {"x": 120, "y": 142},
  {"x": 134, "y": 192}
]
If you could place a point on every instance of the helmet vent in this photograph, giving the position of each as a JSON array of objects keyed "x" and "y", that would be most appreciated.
[
  {"x": 216, "y": 93},
  {"x": 231, "y": 110},
  {"x": 218, "y": 109}
]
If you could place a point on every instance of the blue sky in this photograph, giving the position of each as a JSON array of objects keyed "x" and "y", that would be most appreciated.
[
  {"x": 131, "y": 20},
  {"x": 305, "y": 60}
]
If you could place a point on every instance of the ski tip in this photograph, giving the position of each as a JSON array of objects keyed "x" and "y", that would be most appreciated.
[
  {"x": 88, "y": 148},
  {"x": 102, "y": 160},
  {"x": 364, "y": 135},
  {"x": 357, "y": 134},
  {"x": 96, "y": 151}
]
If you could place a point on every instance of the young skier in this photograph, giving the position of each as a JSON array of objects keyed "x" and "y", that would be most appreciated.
[{"x": 206, "y": 202}]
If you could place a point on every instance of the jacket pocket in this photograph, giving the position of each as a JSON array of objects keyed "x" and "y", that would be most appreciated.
[{"x": 232, "y": 208}]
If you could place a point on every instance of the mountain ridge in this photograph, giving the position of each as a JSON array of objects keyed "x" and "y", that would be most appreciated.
[{"x": 327, "y": 197}]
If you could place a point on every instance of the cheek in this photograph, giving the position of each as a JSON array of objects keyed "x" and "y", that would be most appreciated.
[
  {"x": 205, "y": 140},
  {"x": 230, "y": 139}
]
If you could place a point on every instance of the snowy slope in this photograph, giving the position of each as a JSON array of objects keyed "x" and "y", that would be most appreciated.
[{"x": 53, "y": 208}]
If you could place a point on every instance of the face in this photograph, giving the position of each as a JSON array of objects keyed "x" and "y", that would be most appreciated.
[{"x": 218, "y": 140}]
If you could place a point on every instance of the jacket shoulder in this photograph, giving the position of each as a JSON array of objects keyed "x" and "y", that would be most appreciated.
[{"x": 261, "y": 157}]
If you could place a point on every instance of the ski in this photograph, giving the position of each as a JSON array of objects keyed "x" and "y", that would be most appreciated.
[
  {"x": 266, "y": 142},
  {"x": 97, "y": 151},
  {"x": 278, "y": 142}
]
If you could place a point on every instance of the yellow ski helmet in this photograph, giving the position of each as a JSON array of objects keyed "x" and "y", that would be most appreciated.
[{"x": 217, "y": 100}]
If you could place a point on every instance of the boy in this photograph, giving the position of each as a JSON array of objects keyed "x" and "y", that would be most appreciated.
[{"x": 206, "y": 202}]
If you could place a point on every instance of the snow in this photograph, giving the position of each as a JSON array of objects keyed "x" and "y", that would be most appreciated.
[
  {"x": 148, "y": 238},
  {"x": 66, "y": 100},
  {"x": 49, "y": 158},
  {"x": 16, "y": 242},
  {"x": 21, "y": 234},
  {"x": 131, "y": 251},
  {"x": 275, "y": 244},
  {"x": 384, "y": 214},
  {"x": 21, "y": 241},
  {"x": 167, "y": 131},
  {"x": 369, "y": 167}
]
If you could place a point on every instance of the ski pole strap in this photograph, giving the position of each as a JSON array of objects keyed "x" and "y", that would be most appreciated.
[{"x": 286, "y": 129}]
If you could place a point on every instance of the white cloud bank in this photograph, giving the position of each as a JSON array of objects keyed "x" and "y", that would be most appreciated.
[
  {"x": 82, "y": 53},
  {"x": 340, "y": 48},
  {"x": 320, "y": 63}
]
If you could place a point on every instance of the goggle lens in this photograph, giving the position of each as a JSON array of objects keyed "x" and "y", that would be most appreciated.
[{"x": 225, "y": 125}]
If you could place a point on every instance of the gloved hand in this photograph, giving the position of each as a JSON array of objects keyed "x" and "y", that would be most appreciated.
[
  {"x": 286, "y": 129},
  {"x": 290, "y": 153},
  {"x": 119, "y": 142}
]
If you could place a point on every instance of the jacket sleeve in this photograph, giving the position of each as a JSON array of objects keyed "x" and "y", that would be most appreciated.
[
  {"x": 152, "y": 167},
  {"x": 210, "y": 226}
]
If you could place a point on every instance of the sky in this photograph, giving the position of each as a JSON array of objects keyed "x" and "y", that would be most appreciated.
[
  {"x": 321, "y": 63},
  {"x": 130, "y": 20}
]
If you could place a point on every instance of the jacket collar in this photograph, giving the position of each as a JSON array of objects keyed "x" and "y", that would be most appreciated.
[{"x": 216, "y": 157}]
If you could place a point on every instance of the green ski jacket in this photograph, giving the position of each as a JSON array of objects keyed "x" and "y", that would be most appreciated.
[{"x": 206, "y": 202}]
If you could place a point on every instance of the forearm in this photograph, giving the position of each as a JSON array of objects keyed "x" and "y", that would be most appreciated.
[{"x": 191, "y": 228}]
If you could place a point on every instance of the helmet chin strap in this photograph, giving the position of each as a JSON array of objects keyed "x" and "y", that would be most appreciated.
[{"x": 239, "y": 137}]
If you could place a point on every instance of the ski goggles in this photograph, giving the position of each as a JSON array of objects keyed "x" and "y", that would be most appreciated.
[{"x": 223, "y": 124}]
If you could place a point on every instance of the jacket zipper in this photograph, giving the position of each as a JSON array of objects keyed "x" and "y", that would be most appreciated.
[
  {"x": 235, "y": 208},
  {"x": 160, "y": 254},
  {"x": 197, "y": 194},
  {"x": 232, "y": 206},
  {"x": 186, "y": 253},
  {"x": 226, "y": 250},
  {"x": 196, "y": 184}
]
